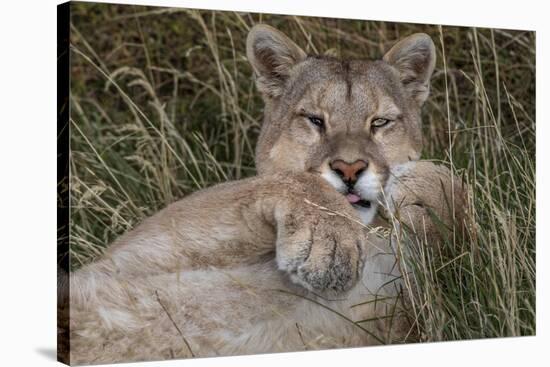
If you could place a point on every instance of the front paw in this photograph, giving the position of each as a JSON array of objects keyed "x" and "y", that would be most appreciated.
[
  {"x": 427, "y": 199},
  {"x": 321, "y": 252}
]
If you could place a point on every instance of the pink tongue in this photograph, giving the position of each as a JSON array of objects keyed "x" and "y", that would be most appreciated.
[{"x": 352, "y": 198}]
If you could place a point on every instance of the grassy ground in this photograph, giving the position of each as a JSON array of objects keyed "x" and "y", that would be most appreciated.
[{"x": 163, "y": 104}]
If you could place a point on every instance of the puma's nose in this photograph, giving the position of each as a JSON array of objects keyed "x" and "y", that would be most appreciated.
[{"x": 349, "y": 172}]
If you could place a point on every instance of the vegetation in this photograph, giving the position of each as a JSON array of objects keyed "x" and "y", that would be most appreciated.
[{"x": 163, "y": 103}]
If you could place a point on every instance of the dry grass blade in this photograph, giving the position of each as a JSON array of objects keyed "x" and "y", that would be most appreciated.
[{"x": 175, "y": 325}]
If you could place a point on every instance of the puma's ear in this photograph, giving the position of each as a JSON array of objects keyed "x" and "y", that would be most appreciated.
[
  {"x": 272, "y": 55},
  {"x": 414, "y": 58}
]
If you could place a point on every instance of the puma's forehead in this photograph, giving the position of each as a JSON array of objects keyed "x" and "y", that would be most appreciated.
[
  {"x": 326, "y": 69},
  {"x": 355, "y": 87}
]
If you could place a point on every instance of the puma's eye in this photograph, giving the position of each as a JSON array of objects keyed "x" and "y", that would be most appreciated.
[
  {"x": 379, "y": 122},
  {"x": 317, "y": 121}
]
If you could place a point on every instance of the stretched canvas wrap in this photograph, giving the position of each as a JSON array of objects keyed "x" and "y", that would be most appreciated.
[{"x": 237, "y": 183}]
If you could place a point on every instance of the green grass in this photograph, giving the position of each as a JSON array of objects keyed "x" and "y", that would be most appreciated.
[{"x": 163, "y": 104}]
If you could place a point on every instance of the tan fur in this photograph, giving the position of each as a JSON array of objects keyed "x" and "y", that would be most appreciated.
[{"x": 246, "y": 266}]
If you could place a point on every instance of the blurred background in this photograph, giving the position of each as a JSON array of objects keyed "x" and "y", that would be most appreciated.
[{"x": 163, "y": 103}]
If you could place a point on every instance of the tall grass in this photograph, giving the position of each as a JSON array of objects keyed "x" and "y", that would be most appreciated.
[
  {"x": 484, "y": 285},
  {"x": 163, "y": 104}
]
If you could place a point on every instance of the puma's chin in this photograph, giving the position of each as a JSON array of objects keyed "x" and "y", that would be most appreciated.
[
  {"x": 367, "y": 214},
  {"x": 365, "y": 194}
]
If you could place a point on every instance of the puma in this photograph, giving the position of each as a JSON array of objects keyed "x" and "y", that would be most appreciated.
[{"x": 290, "y": 259}]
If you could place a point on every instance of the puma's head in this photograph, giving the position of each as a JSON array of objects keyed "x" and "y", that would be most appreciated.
[{"x": 350, "y": 121}]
